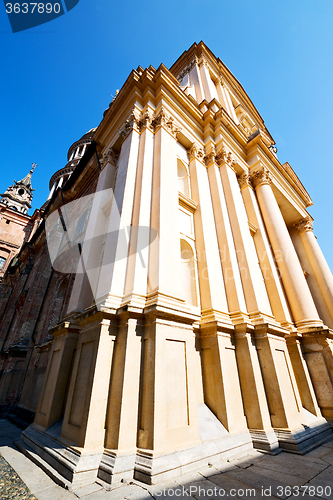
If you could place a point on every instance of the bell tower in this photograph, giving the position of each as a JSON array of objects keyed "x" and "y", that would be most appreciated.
[
  {"x": 18, "y": 196},
  {"x": 15, "y": 222}
]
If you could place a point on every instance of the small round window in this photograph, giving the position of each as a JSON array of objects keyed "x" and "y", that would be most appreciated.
[{"x": 21, "y": 191}]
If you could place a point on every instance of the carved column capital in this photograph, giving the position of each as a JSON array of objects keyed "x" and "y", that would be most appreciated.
[
  {"x": 165, "y": 121},
  {"x": 244, "y": 180},
  {"x": 196, "y": 153},
  {"x": 131, "y": 124},
  {"x": 224, "y": 156},
  {"x": 146, "y": 121},
  {"x": 220, "y": 156},
  {"x": 210, "y": 155},
  {"x": 220, "y": 80},
  {"x": 202, "y": 61},
  {"x": 260, "y": 177},
  {"x": 110, "y": 156},
  {"x": 304, "y": 225}
]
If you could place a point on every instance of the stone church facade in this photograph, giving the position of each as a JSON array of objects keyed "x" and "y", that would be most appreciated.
[{"x": 209, "y": 331}]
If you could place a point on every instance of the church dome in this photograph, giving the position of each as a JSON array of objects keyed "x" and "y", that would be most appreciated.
[
  {"x": 85, "y": 139},
  {"x": 75, "y": 153}
]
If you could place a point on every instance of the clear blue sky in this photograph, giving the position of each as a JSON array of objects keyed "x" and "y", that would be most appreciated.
[{"x": 58, "y": 78}]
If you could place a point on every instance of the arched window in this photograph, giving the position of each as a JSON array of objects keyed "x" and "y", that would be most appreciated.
[
  {"x": 2, "y": 262},
  {"x": 188, "y": 273},
  {"x": 183, "y": 178}
]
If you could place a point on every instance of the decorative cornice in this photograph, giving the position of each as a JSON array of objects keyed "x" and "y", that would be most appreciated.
[
  {"x": 111, "y": 156},
  {"x": 296, "y": 183},
  {"x": 260, "y": 177},
  {"x": 131, "y": 124},
  {"x": 244, "y": 180},
  {"x": 196, "y": 153},
  {"x": 304, "y": 225},
  {"x": 165, "y": 121},
  {"x": 188, "y": 68}
]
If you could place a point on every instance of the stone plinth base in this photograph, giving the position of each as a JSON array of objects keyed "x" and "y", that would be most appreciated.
[
  {"x": 152, "y": 468},
  {"x": 70, "y": 468},
  {"x": 302, "y": 441},
  {"x": 266, "y": 442},
  {"x": 66, "y": 465},
  {"x": 115, "y": 467}
]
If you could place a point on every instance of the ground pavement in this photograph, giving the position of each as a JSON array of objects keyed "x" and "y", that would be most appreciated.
[{"x": 254, "y": 475}]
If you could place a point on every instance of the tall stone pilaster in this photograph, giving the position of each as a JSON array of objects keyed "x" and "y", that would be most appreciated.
[{"x": 300, "y": 300}]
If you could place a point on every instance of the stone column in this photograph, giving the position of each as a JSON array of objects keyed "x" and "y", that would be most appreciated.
[
  {"x": 195, "y": 78},
  {"x": 228, "y": 256},
  {"x": 81, "y": 296},
  {"x": 212, "y": 290},
  {"x": 137, "y": 268},
  {"x": 255, "y": 292},
  {"x": 113, "y": 267},
  {"x": 318, "y": 264},
  {"x": 206, "y": 80},
  {"x": 225, "y": 100},
  {"x": 297, "y": 291},
  {"x": 265, "y": 255},
  {"x": 164, "y": 251}
]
